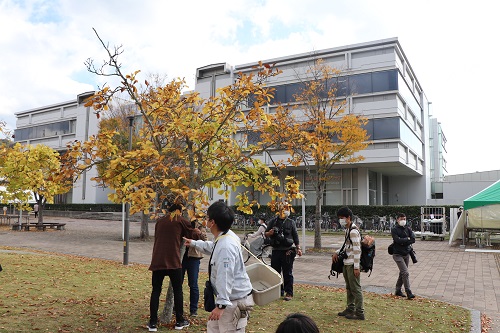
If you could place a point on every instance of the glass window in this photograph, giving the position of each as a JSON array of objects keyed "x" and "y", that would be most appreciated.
[
  {"x": 385, "y": 128},
  {"x": 346, "y": 178},
  {"x": 384, "y": 81},
  {"x": 292, "y": 90},
  {"x": 360, "y": 83}
]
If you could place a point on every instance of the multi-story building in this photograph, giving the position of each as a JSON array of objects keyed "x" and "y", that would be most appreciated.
[
  {"x": 55, "y": 126},
  {"x": 378, "y": 82}
]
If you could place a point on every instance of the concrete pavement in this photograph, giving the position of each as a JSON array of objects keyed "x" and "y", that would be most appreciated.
[{"x": 445, "y": 273}]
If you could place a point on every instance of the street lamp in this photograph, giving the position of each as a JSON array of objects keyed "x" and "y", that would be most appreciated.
[{"x": 126, "y": 226}]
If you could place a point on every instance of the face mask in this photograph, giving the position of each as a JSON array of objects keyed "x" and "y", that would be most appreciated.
[
  {"x": 286, "y": 213},
  {"x": 342, "y": 222},
  {"x": 402, "y": 223}
]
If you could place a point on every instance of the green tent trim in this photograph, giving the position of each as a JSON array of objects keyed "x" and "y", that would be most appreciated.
[{"x": 488, "y": 196}]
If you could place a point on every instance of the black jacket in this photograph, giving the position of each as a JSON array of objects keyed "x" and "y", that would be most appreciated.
[
  {"x": 403, "y": 238},
  {"x": 289, "y": 231}
]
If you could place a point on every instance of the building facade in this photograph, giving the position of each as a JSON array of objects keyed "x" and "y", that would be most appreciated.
[
  {"x": 378, "y": 82},
  {"x": 55, "y": 126}
]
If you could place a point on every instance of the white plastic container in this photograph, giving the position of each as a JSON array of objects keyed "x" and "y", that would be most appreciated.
[{"x": 266, "y": 283}]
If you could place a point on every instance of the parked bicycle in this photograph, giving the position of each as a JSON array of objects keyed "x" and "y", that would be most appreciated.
[{"x": 263, "y": 253}]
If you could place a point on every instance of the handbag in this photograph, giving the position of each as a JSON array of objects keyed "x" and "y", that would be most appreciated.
[
  {"x": 390, "y": 249},
  {"x": 209, "y": 292},
  {"x": 209, "y": 296},
  {"x": 413, "y": 256}
]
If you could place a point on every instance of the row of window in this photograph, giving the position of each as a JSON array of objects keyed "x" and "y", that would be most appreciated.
[
  {"x": 346, "y": 85},
  {"x": 47, "y": 130}
]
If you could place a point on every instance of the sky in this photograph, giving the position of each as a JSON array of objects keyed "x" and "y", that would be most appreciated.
[{"x": 451, "y": 45}]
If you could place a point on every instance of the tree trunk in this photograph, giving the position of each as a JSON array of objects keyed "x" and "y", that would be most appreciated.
[
  {"x": 317, "y": 222},
  {"x": 40, "y": 212},
  {"x": 144, "y": 226}
]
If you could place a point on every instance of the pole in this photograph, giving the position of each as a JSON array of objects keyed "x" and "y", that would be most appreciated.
[
  {"x": 127, "y": 204},
  {"x": 304, "y": 225}
]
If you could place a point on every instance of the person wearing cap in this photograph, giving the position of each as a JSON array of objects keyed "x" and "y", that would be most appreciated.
[{"x": 285, "y": 242}]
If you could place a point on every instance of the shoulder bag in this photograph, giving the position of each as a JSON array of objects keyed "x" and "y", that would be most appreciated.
[{"x": 209, "y": 292}]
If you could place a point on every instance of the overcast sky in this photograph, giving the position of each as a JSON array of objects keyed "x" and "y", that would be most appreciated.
[{"x": 451, "y": 45}]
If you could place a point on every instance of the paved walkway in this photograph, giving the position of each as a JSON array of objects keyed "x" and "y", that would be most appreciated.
[{"x": 445, "y": 273}]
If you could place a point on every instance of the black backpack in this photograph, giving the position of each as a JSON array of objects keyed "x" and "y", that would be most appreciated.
[{"x": 367, "y": 255}]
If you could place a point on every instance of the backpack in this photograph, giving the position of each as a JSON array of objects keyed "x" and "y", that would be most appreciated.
[{"x": 367, "y": 255}]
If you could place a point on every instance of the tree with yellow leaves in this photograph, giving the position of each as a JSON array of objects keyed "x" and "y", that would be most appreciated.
[
  {"x": 185, "y": 145},
  {"x": 316, "y": 132},
  {"x": 32, "y": 171}
]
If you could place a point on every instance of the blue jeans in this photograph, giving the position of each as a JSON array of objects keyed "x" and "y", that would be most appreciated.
[{"x": 192, "y": 266}]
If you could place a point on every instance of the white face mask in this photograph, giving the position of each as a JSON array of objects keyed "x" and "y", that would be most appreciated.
[
  {"x": 402, "y": 222},
  {"x": 286, "y": 213},
  {"x": 342, "y": 222}
]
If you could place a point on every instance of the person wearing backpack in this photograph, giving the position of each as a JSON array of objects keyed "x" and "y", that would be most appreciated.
[
  {"x": 403, "y": 237},
  {"x": 352, "y": 276}
]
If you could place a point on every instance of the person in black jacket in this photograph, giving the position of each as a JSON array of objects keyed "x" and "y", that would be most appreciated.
[
  {"x": 285, "y": 242},
  {"x": 403, "y": 237}
]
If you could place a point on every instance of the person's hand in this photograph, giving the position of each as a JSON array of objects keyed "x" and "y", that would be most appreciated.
[
  {"x": 187, "y": 241},
  {"x": 356, "y": 272},
  {"x": 216, "y": 314},
  {"x": 335, "y": 257},
  {"x": 299, "y": 252}
]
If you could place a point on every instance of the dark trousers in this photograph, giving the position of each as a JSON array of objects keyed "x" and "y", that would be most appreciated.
[
  {"x": 175, "y": 276},
  {"x": 192, "y": 266},
  {"x": 282, "y": 262}
]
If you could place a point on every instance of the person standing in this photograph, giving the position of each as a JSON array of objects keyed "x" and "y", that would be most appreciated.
[
  {"x": 166, "y": 261},
  {"x": 285, "y": 242},
  {"x": 228, "y": 276},
  {"x": 351, "y": 272},
  {"x": 259, "y": 236},
  {"x": 35, "y": 209},
  {"x": 191, "y": 265},
  {"x": 403, "y": 237}
]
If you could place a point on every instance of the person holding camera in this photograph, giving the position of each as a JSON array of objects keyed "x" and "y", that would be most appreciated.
[
  {"x": 355, "y": 309},
  {"x": 285, "y": 242},
  {"x": 403, "y": 237}
]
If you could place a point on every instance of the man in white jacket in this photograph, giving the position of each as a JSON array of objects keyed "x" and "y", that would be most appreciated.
[{"x": 228, "y": 274}]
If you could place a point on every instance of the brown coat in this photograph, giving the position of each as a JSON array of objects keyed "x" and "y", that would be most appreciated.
[{"x": 168, "y": 240}]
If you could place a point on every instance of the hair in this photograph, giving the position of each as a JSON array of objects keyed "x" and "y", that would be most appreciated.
[
  {"x": 297, "y": 323},
  {"x": 344, "y": 212},
  {"x": 401, "y": 215},
  {"x": 222, "y": 215}
]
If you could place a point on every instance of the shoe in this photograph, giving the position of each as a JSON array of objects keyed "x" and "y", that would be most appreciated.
[
  {"x": 399, "y": 293},
  {"x": 409, "y": 294},
  {"x": 180, "y": 325},
  {"x": 194, "y": 314},
  {"x": 355, "y": 316},
  {"x": 152, "y": 327},
  {"x": 344, "y": 313},
  {"x": 288, "y": 297}
]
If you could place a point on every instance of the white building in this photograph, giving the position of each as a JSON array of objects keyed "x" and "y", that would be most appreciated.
[
  {"x": 55, "y": 126},
  {"x": 379, "y": 83}
]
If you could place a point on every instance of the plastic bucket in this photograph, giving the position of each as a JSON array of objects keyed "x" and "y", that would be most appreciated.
[{"x": 266, "y": 283}]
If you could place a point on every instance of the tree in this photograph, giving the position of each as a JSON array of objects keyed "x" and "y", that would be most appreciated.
[
  {"x": 186, "y": 143},
  {"x": 317, "y": 133},
  {"x": 32, "y": 171}
]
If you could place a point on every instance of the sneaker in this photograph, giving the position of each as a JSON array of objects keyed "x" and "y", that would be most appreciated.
[
  {"x": 399, "y": 293},
  {"x": 288, "y": 297},
  {"x": 152, "y": 327},
  {"x": 344, "y": 313},
  {"x": 355, "y": 316},
  {"x": 180, "y": 325},
  {"x": 193, "y": 314}
]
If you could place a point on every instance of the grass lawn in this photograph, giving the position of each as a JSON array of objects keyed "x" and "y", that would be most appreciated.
[{"x": 53, "y": 293}]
